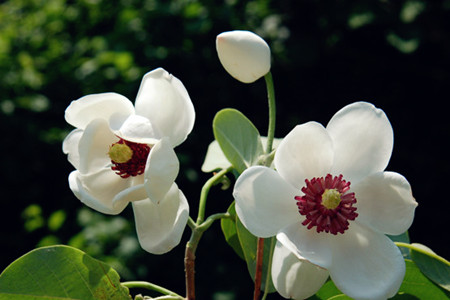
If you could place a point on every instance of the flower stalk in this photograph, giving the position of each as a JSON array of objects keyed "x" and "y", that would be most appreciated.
[
  {"x": 152, "y": 287},
  {"x": 258, "y": 271},
  {"x": 197, "y": 231},
  {"x": 272, "y": 111}
]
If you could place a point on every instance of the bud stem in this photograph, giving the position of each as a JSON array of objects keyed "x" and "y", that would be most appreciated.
[{"x": 272, "y": 111}]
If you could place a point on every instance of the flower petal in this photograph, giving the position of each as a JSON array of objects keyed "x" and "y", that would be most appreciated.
[
  {"x": 93, "y": 146},
  {"x": 264, "y": 201},
  {"x": 97, "y": 190},
  {"x": 307, "y": 244},
  {"x": 163, "y": 99},
  {"x": 363, "y": 140},
  {"x": 243, "y": 54},
  {"x": 135, "y": 192},
  {"x": 134, "y": 128},
  {"x": 385, "y": 202},
  {"x": 160, "y": 226},
  {"x": 82, "y": 111},
  {"x": 306, "y": 152},
  {"x": 161, "y": 170},
  {"x": 366, "y": 264},
  {"x": 70, "y": 147},
  {"x": 294, "y": 278}
]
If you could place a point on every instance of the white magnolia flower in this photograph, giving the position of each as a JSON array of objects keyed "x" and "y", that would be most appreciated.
[
  {"x": 243, "y": 54},
  {"x": 331, "y": 202},
  {"x": 124, "y": 153}
]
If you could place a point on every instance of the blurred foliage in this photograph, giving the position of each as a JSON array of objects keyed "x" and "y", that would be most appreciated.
[{"x": 392, "y": 53}]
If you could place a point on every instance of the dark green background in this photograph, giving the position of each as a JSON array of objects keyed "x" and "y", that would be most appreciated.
[{"x": 326, "y": 54}]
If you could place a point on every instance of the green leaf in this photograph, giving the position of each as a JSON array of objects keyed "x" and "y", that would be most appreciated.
[
  {"x": 216, "y": 160},
  {"x": 418, "y": 285},
  {"x": 402, "y": 238},
  {"x": 229, "y": 231},
  {"x": 60, "y": 272},
  {"x": 249, "y": 244},
  {"x": 238, "y": 138},
  {"x": 432, "y": 265}
]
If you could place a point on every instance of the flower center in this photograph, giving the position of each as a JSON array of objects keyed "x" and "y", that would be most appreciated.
[
  {"x": 128, "y": 158},
  {"x": 331, "y": 198},
  {"x": 327, "y": 204}
]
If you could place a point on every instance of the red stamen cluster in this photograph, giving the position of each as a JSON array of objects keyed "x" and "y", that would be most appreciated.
[
  {"x": 328, "y": 220},
  {"x": 136, "y": 165}
]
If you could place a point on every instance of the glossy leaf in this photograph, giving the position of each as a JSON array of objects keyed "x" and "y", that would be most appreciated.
[
  {"x": 432, "y": 265},
  {"x": 228, "y": 226},
  {"x": 418, "y": 285},
  {"x": 238, "y": 138},
  {"x": 60, "y": 272},
  {"x": 249, "y": 245}
]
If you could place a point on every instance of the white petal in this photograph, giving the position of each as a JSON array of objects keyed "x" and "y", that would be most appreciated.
[
  {"x": 160, "y": 226},
  {"x": 363, "y": 140},
  {"x": 307, "y": 244},
  {"x": 135, "y": 192},
  {"x": 385, "y": 202},
  {"x": 70, "y": 147},
  {"x": 163, "y": 99},
  {"x": 82, "y": 111},
  {"x": 265, "y": 203},
  {"x": 306, "y": 152},
  {"x": 97, "y": 190},
  {"x": 134, "y": 128},
  {"x": 161, "y": 170},
  {"x": 366, "y": 264},
  {"x": 94, "y": 145},
  {"x": 243, "y": 54},
  {"x": 294, "y": 278}
]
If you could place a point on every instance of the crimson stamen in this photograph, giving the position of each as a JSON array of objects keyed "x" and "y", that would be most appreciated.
[
  {"x": 136, "y": 164},
  {"x": 326, "y": 204}
]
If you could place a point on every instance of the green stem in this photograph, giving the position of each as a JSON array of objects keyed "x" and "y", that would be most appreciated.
[
  {"x": 191, "y": 223},
  {"x": 422, "y": 251},
  {"x": 210, "y": 220},
  {"x": 205, "y": 191},
  {"x": 272, "y": 111},
  {"x": 150, "y": 286}
]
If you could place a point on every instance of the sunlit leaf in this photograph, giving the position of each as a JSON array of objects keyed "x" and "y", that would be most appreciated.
[
  {"x": 60, "y": 272},
  {"x": 238, "y": 138},
  {"x": 216, "y": 160}
]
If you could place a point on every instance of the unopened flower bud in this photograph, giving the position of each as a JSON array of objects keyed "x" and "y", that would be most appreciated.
[{"x": 243, "y": 54}]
